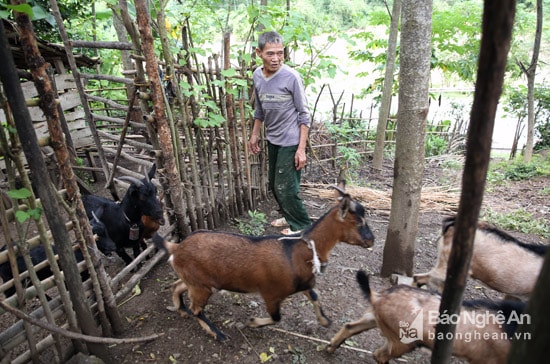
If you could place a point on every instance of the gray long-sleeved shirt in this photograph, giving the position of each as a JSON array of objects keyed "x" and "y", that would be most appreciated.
[{"x": 281, "y": 104}]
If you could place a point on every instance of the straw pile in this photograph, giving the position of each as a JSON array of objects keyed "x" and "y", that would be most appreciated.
[{"x": 433, "y": 199}]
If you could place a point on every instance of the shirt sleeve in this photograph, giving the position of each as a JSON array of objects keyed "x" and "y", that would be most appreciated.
[
  {"x": 300, "y": 102},
  {"x": 258, "y": 111}
]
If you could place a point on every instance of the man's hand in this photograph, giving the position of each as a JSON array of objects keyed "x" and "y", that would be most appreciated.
[
  {"x": 300, "y": 159},
  {"x": 253, "y": 144}
]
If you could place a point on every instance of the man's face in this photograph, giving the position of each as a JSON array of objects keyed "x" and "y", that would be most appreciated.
[{"x": 272, "y": 57}]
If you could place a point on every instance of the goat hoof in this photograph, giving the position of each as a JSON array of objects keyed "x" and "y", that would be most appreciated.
[
  {"x": 330, "y": 349},
  {"x": 221, "y": 337},
  {"x": 325, "y": 322},
  {"x": 260, "y": 321}
]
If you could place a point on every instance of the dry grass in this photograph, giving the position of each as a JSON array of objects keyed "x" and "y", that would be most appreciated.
[{"x": 433, "y": 199}]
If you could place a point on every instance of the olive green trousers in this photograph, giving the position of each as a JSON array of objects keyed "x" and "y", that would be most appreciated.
[{"x": 284, "y": 182}]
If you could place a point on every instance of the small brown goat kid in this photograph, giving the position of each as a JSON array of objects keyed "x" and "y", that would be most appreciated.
[
  {"x": 407, "y": 316},
  {"x": 499, "y": 260},
  {"x": 273, "y": 266}
]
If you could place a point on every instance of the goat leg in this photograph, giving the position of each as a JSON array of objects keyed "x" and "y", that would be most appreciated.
[
  {"x": 209, "y": 327},
  {"x": 198, "y": 296},
  {"x": 314, "y": 299},
  {"x": 260, "y": 321},
  {"x": 122, "y": 253},
  {"x": 273, "y": 307},
  {"x": 391, "y": 350},
  {"x": 178, "y": 288},
  {"x": 350, "y": 329}
]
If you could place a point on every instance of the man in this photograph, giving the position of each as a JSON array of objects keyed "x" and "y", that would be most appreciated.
[{"x": 281, "y": 104}]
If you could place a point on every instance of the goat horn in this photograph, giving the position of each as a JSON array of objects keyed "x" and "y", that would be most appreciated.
[
  {"x": 95, "y": 216},
  {"x": 146, "y": 174},
  {"x": 131, "y": 179},
  {"x": 339, "y": 189}
]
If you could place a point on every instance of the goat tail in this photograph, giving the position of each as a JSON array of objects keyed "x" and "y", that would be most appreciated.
[
  {"x": 162, "y": 244},
  {"x": 159, "y": 242},
  {"x": 363, "y": 280}
]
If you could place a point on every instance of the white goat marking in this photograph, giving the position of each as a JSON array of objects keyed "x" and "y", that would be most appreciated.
[{"x": 316, "y": 261}]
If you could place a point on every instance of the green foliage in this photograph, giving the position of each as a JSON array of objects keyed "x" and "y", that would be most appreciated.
[
  {"x": 346, "y": 131},
  {"x": 456, "y": 29},
  {"x": 516, "y": 106},
  {"x": 298, "y": 35},
  {"x": 542, "y": 118},
  {"x": 21, "y": 215},
  {"x": 521, "y": 171},
  {"x": 517, "y": 170},
  {"x": 255, "y": 225},
  {"x": 349, "y": 157},
  {"x": 518, "y": 220},
  {"x": 6, "y": 9},
  {"x": 543, "y": 131},
  {"x": 452, "y": 164},
  {"x": 298, "y": 356},
  {"x": 20, "y": 193},
  {"x": 436, "y": 144}
]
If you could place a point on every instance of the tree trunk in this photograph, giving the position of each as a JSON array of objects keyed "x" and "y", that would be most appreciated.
[
  {"x": 387, "y": 92},
  {"x": 531, "y": 345},
  {"x": 108, "y": 297},
  {"x": 48, "y": 195},
  {"x": 159, "y": 112},
  {"x": 498, "y": 19},
  {"x": 530, "y": 72},
  {"x": 414, "y": 76}
]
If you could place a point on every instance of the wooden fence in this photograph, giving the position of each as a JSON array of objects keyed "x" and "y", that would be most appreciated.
[{"x": 111, "y": 127}]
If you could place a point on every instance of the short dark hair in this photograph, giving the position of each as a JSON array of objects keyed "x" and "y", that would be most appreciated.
[{"x": 269, "y": 37}]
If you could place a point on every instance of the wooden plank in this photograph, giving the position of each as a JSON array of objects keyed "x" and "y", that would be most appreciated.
[
  {"x": 70, "y": 100},
  {"x": 73, "y": 116},
  {"x": 62, "y": 82}
]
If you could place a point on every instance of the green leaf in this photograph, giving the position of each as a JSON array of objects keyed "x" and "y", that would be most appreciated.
[
  {"x": 264, "y": 357},
  {"x": 35, "y": 213},
  {"x": 22, "y": 216},
  {"x": 21, "y": 8},
  {"x": 20, "y": 193},
  {"x": 230, "y": 72},
  {"x": 39, "y": 13}
]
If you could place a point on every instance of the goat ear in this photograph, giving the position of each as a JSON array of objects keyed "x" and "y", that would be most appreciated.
[
  {"x": 152, "y": 172},
  {"x": 447, "y": 223},
  {"x": 345, "y": 206}
]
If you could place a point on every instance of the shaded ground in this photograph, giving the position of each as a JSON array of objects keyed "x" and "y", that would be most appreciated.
[{"x": 298, "y": 338}]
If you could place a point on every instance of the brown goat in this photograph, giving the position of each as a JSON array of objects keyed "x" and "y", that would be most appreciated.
[
  {"x": 407, "y": 317},
  {"x": 500, "y": 261},
  {"x": 273, "y": 266}
]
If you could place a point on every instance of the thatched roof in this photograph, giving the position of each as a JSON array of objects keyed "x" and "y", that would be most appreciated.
[{"x": 52, "y": 53}]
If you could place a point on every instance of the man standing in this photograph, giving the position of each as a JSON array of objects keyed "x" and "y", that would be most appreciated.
[{"x": 280, "y": 104}]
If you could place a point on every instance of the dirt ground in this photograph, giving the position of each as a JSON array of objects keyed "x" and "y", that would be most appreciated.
[{"x": 298, "y": 338}]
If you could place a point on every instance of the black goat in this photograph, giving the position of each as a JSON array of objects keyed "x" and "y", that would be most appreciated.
[
  {"x": 123, "y": 220},
  {"x": 38, "y": 254}
]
